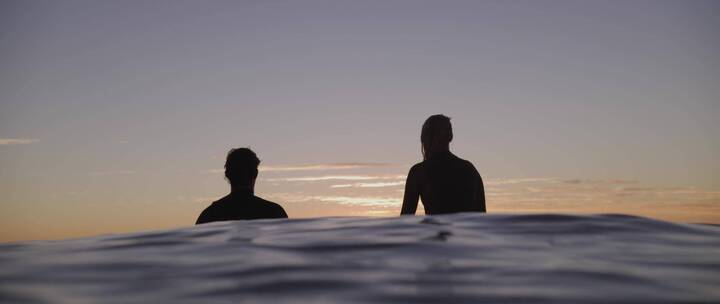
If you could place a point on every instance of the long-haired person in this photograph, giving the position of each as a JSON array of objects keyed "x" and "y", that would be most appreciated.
[{"x": 444, "y": 182}]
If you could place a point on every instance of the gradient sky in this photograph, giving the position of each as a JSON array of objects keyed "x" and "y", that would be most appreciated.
[{"x": 115, "y": 116}]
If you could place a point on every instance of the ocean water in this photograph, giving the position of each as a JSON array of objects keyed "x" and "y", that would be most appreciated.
[{"x": 460, "y": 258}]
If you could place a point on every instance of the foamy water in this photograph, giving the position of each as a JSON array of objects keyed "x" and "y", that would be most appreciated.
[{"x": 442, "y": 259}]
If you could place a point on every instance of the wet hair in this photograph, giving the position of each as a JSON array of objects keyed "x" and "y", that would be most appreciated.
[
  {"x": 436, "y": 135},
  {"x": 241, "y": 166}
]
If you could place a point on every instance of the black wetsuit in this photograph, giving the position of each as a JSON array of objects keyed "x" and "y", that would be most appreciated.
[
  {"x": 241, "y": 206},
  {"x": 446, "y": 184}
]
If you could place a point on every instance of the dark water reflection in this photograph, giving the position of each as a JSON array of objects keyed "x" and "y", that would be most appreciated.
[{"x": 442, "y": 259}]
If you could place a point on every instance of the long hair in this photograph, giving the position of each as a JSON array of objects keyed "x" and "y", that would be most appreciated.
[{"x": 436, "y": 135}]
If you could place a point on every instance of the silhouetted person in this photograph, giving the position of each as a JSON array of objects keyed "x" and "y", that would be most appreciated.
[
  {"x": 241, "y": 170},
  {"x": 444, "y": 182}
]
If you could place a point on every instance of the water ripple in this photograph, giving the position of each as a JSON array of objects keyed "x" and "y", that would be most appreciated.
[{"x": 461, "y": 258}]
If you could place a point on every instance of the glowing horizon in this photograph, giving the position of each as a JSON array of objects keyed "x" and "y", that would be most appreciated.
[
  {"x": 116, "y": 116},
  {"x": 316, "y": 196}
]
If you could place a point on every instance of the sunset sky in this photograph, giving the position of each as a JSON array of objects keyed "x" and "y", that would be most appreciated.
[{"x": 116, "y": 116}]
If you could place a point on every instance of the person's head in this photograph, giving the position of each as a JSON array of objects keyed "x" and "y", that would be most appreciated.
[
  {"x": 436, "y": 135},
  {"x": 241, "y": 168}
]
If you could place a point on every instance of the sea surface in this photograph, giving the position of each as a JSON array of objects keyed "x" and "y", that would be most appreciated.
[{"x": 460, "y": 258}]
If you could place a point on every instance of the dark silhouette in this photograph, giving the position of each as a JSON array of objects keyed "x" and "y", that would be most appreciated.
[
  {"x": 444, "y": 182},
  {"x": 241, "y": 170}
]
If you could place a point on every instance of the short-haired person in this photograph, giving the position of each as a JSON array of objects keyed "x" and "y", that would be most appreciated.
[
  {"x": 444, "y": 182},
  {"x": 241, "y": 171}
]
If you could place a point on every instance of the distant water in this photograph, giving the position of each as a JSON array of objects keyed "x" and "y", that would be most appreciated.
[{"x": 461, "y": 258}]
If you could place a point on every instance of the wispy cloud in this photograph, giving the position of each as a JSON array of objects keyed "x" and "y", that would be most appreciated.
[
  {"x": 377, "y": 201},
  {"x": 598, "y": 181},
  {"x": 320, "y": 178},
  {"x": 17, "y": 141},
  {"x": 336, "y": 177},
  {"x": 315, "y": 167},
  {"x": 510, "y": 181},
  {"x": 535, "y": 180},
  {"x": 370, "y": 185},
  {"x": 342, "y": 186},
  {"x": 688, "y": 192},
  {"x": 322, "y": 167},
  {"x": 637, "y": 189},
  {"x": 364, "y": 201},
  {"x": 380, "y": 193}
]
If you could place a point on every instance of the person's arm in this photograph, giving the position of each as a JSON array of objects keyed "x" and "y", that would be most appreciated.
[{"x": 410, "y": 199}]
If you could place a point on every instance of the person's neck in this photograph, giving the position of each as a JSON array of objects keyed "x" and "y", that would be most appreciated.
[
  {"x": 441, "y": 152},
  {"x": 241, "y": 189}
]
